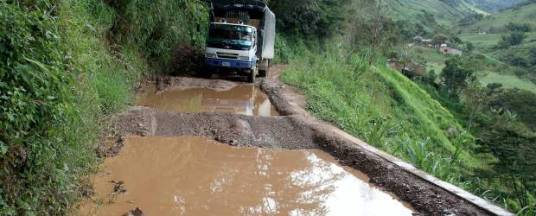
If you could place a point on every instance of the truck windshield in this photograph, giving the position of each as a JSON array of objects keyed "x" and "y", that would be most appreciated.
[{"x": 230, "y": 37}]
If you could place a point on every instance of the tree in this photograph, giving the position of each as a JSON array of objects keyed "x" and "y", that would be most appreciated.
[
  {"x": 516, "y": 27},
  {"x": 521, "y": 102},
  {"x": 372, "y": 31},
  {"x": 313, "y": 18},
  {"x": 439, "y": 39},
  {"x": 513, "y": 39},
  {"x": 469, "y": 47},
  {"x": 455, "y": 77},
  {"x": 532, "y": 56}
]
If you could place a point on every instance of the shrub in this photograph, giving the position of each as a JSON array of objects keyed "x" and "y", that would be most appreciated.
[
  {"x": 158, "y": 27},
  {"x": 513, "y": 39},
  {"x": 516, "y": 27},
  {"x": 37, "y": 169},
  {"x": 309, "y": 18}
]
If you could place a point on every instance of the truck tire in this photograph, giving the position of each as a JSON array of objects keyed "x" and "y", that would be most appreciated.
[
  {"x": 206, "y": 72},
  {"x": 252, "y": 76},
  {"x": 265, "y": 73},
  {"x": 265, "y": 68}
]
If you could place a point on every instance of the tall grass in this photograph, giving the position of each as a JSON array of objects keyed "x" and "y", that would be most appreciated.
[
  {"x": 394, "y": 114},
  {"x": 62, "y": 73}
]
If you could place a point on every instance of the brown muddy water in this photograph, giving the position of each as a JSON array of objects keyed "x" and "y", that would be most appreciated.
[
  {"x": 197, "y": 176},
  {"x": 243, "y": 99}
]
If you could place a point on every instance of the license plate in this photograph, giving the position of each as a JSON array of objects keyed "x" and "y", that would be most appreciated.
[{"x": 226, "y": 64}]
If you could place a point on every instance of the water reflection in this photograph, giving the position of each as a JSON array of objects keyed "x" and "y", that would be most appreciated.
[
  {"x": 244, "y": 99},
  {"x": 195, "y": 176}
]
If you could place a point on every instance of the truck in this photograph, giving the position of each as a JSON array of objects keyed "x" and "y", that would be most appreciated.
[{"x": 241, "y": 38}]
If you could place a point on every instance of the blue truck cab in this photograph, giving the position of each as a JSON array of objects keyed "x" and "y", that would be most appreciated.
[{"x": 232, "y": 46}]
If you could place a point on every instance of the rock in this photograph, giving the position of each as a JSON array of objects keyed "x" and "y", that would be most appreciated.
[{"x": 135, "y": 212}]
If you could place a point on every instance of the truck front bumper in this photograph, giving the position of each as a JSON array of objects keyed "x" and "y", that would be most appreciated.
[{"x": 230, "y": 63}]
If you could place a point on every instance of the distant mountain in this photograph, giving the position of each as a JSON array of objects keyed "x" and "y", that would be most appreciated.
[
  {"x": 494, "y": 5},
  {"x": 445, "y": 12},
  {"x": 525, "y": 14}
]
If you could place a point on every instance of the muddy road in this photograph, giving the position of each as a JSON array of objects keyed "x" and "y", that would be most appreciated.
[{"x": 213, "y": 147}]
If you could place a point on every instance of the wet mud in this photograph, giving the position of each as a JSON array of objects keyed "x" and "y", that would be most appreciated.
[
  {"x": 294, "y": 129},
  {"x": 242, "y": 99},
  {"x": 198, "y": 176}
]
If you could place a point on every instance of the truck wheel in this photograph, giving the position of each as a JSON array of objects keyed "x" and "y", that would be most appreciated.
[
  {"x": 206, "y": 72},
  {"x": 265, "y": 68},
  {"x": 266, "y": 73},
  {"x": 252, "y": 76}
]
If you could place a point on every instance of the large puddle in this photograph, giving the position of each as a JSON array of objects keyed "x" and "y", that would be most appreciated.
[
  {"x": 196, "y": 176},
  {"x": 243, "y": 99}
]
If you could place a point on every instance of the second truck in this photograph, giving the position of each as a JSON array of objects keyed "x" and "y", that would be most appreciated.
[{"x": 241, "y": 38}]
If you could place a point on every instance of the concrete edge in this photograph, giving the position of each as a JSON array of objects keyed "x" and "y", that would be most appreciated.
[{"x": 471, "y": 198}]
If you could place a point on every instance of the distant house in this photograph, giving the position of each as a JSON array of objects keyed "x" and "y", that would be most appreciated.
[
  {"x": 450, "y": 51},
  {"x": 419, "y": 40}
]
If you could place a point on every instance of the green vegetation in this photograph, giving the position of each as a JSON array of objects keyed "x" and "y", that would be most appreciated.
[
  {"x": 317, "y": 18},
  {"x": 498, "y": 22},
  {"x": 443, "y": 121},
  {"x": 65, "y": 66},
  {"x": 508, "y": 81},
  {"x": 389, "y": 111},
  {"x": 446, "y": 12}
]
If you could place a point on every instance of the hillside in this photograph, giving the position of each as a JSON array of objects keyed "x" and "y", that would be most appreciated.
[
  {"x": 494, "y": 5},
  {"x": 66, "y": 67},
  {"x": 445, "y": 12},
  {"x": 387, "y": 110},
  {"x": 495, "y": 23},
  {"x": 514, "y": 62}
]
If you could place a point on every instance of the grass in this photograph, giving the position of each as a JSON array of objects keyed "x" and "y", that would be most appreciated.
[
  {"x": 64, "y": 77},
  {"x": 387, "y": 110},
  {"x": 430, "y": 57},
  {"x": 489, "y": 41},
  {"x": 509, "y": 81},
  {"x": 490, "y": 70},
  {"x": 445, "y": 13},
  {"x": 496, "y": 22}
]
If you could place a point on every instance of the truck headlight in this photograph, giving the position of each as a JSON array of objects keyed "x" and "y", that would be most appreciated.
[
  {"x": 244, "y": 58},
  {"x": 211, "y": 55}
]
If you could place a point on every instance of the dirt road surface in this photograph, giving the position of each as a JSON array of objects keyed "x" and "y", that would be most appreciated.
[{"x": 292, "y": 128}]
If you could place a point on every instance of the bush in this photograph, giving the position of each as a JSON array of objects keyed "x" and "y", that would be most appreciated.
[
  {"x": 37, "y": 107},
  {"x": 309, "y": 18},
  {"x": 516, "y": 27},
  {"x": 455, "y": 77},
  {"x": 532, "y": 56},
  {"x": 158, "y": 27},
  {"x": 513, "y": 39},
  {"x": 61, "y": 74}
]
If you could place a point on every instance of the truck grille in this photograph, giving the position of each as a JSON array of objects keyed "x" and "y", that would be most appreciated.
[{"x": 227, "y": 55}]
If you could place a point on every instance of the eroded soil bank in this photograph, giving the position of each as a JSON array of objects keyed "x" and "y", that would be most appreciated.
[
  {"x": 197, "y": 176},
  {"x": 293, "y": 129}
]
